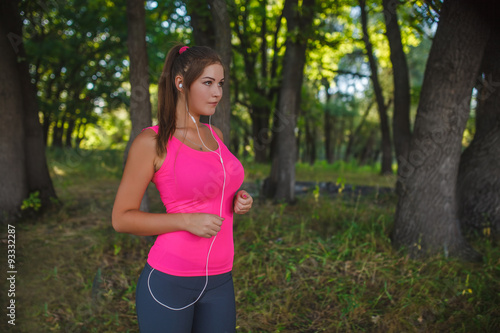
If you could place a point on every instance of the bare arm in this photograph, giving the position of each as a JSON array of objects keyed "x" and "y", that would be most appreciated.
[{"x": 139, "y": 171}]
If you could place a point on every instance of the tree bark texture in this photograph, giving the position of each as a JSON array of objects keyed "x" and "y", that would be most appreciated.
[
  {"x": 478, "y": 187},
  {"x": 222, "y": 28},
  {"x": 382, "y": 107},
  {"x": 37, "y": 171},
  {"x": 426, "y": 219},
  {"x": 13, "y": 180},
  {"x": 401, "y": 118},
  {"x": 140, "y": 104},
  {"x": 299, "y": 21}
]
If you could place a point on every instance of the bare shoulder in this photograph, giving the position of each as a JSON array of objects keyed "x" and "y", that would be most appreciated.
[
  {"x": 144, "y": 145},
  {"x": 146, "y": 139},
  {"x": 219, "y": 132}
]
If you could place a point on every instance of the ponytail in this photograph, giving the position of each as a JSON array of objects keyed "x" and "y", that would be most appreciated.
[{"x": 167, "y": 101}]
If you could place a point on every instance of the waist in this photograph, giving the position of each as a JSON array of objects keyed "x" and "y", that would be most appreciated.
[{"x": 184, "y": 254}]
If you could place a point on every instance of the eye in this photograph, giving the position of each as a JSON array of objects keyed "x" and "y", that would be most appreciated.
[
  {"x": 221, "y": 83},
  {"x": 207, "y": 83}
]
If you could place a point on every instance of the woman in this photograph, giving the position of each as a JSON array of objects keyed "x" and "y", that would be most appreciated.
[{"x": 186, "y": 284}]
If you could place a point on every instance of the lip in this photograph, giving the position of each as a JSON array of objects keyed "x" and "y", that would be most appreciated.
[{"x": 214, "y": 103}]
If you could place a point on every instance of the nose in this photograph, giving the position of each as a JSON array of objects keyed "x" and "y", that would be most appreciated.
[{"x": 217, "y": 91}]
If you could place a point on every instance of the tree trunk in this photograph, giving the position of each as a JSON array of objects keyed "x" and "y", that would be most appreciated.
[
  {"x": 327, "y": 123},
  {"x": 221, "y": 24},
  {"x": 299, "y": 18},
  {"x": 140, "y": 105},
  {"x": 13, "y": 180},
  {"x": 478, "y": 187},
  {"x": 354, "y": 134},
  {"x": 401, "y": 117},
  {"x": 426, "y": 219},
  {"x": 382, "y": 107},
  {"x": 367, "y": 152},
  {"x": 201, "y": 21},
  {"x": 69, "y": 132},
  {"x": 260, "y": 133},
  {"x": 37, "y": 171},
  {"x": 58, "y": 130},
  {"x": 308, "y": 148}
]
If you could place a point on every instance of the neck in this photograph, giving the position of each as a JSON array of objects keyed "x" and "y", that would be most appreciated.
[{"x": 183, "y": 118}]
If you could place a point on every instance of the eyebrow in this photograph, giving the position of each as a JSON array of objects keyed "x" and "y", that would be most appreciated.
[{"x": 211, "y": 78}]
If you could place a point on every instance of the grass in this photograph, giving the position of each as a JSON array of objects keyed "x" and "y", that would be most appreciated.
[
  {"x": 322, "y": 265},
  {"x": 338, "y": 172}
]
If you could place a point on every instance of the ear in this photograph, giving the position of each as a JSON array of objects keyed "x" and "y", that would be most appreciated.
[{"x": 179, "y": 83}]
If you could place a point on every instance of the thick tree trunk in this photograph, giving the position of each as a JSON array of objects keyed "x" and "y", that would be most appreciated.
[
  {"x": 13, "y": 180},
  {"x": 299, "y": 18},
  {"x": 478, "y": 185},
  {"x": 426, "y": 219},
  {"x": 382, "y": 107},
  {"x": 401, "y": 117},
  {"x": 37, "y": 171},
  {"x": 222, "y": 27},
  {"x": 140, "y": 104}
]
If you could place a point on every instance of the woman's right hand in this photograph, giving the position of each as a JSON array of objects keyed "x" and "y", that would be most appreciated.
[{"x": 203, "y": 224}]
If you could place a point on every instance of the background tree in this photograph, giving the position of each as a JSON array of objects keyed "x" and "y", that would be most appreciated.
[
  {"x": 140, "y": 104},
  {"x": 478, "y": 186},
  {"x": 401, "y": 117},
  {"x": 426, "y": 215},
  {"x": 222, "y": 27},
  {"x": 77, "y": 56},
  {"x": 14, "y": 186},
  {"x": 23, "y": 162},
  {"x": 379, "y": 97},
  {"x": 201, "y": 20},
  {"x": 257, "y": 67},
  {"x": 299, "y": 23}
]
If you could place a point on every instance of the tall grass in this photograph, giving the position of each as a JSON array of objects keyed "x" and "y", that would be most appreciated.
[{"x": 324, "y": 264}]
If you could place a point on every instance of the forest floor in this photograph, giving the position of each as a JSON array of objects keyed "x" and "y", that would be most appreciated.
[{"x": 324, "y": 264}]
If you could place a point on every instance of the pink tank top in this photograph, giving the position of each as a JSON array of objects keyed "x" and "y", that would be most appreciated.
[{"x": 190, "y": 181}]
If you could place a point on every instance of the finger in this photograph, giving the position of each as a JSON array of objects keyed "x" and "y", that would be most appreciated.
[
  {"x": 242, "y": 201},
  {"x": 241, "y": 209}
]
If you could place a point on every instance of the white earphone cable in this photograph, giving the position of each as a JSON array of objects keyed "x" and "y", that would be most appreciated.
[{"x": 219, "y": 153}]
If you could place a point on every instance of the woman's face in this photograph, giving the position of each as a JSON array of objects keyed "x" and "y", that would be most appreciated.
[{"x": 206, "y": 91}]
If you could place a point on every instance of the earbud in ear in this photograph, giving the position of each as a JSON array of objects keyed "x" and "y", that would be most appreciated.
[{"x": 180, "y": 85}]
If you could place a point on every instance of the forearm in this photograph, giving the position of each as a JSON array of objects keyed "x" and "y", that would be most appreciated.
[{"x": 140, "y": 223}]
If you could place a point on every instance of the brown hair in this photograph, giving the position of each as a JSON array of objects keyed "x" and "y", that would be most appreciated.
[{"x": 190, "y": 65}]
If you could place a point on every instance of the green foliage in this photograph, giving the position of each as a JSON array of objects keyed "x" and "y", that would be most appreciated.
[
  {"x": 79, "y": 63},
  {"x": 32, "y": 202}
]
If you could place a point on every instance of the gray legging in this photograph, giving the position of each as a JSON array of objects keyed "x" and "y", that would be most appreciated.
[{"x": 215, "y": 311}]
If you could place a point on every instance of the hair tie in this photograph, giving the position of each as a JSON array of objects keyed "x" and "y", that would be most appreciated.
[{"x": 182, "y": 49}]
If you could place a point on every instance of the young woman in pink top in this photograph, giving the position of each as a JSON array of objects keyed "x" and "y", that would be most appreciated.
[{"x": 186, "y": 284}]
